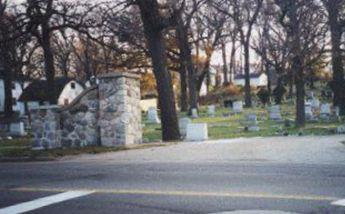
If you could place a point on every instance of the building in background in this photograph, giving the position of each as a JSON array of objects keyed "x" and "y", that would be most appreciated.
[
  {"x": 36, "y": 94},
  {"x": 256, "y": 79},
  {"x": 19, "y": 83}
]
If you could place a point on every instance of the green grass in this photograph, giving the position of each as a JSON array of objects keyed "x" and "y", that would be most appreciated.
[
  {"x": 223, "y": 127},
  {"x": 219, "y": 127},
  {"x": 21, "y": 148}
]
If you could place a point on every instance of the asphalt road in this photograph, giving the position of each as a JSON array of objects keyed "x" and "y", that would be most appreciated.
[{"x": 103, "y": 186}]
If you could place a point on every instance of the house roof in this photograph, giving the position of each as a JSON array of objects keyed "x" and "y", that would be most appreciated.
[
  {"x": 38, "y": 90},
  {"x": 251, "y": 75},
  {"x": 17, "y": 77}
]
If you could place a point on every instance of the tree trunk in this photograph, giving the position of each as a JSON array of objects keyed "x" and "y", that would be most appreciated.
[
  {"x": 186, "y": 58},
  {"x": 157, "y": 49},
  {"x": 232, "y": 61},
  {"x": 7, "y": 73},
  {"x": 291, "y": 84},
  {"x": 248, "y": 98},
  {"x": 183, "y": 85},
  {"x": 48, "y": 63},
  {"x": 338, "y": 83},
  {"x": 269, "y": 78},
  {"x": 208, "y": 81},
  {"x": 8, "y": 110},
  {"x": 225, "y": 65},
  {"x": 297, "y": 67},
  {"x": 300, "y": 93},
  {"x": 203, "y": 75},
  {"x": 193, "y": 93}
]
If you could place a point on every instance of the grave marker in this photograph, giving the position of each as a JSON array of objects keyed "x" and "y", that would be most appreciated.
[
  {"x": 274, "y": 113},
  {"x": 211, "y": 111},
  {"x": 183, "y": 123},
  {"x": 237, "y": 107},
  {"x": 152, "y": 116},
  {"x": 197, "y": 132},
  {"x": 195, "y": 113}
]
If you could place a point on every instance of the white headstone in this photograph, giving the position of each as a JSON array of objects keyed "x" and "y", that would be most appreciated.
[
  {"x": 337, "y": 111},
  {"x": 341, "y": 129},
  {"x": 254, "y": 128},
  {"x": 183, "y": 123},
  {"x": 211, "y": 110},
  {"x": 252, "y": 117},
  {"x": 274, "y": 113},
  {"x": 325, "y": 109},
  {"x": 308, "y": 111},
  {"x": 197, "y": 132},
  {"x": 195, "y": 113},
  {"x": 315, "y": 103},
  {"x": 237, "y": 107},
  {"x": 152, "y": 115},
  {"x": 17, "y": 129},
  {"x": 252, "y": 123}
]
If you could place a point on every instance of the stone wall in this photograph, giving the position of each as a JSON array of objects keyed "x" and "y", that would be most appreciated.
[
  {"x": 108, "y": 114},
  {"x": 79, "y": 125},
  {"x": 120, "y": 114},
  {"x": 45, "y": 123}
]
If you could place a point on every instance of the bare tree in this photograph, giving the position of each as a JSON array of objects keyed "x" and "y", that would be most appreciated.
[
  {"x": 210, "y": 30},
  {"x": 5, "y": 67},
  {"x": 303, "y": 21},
  {"x": 244, "y": 13},
  {"x": 183, "y": 30},
  {"x": 12, "y": 51},
  {"x": 46, "y": 17}
]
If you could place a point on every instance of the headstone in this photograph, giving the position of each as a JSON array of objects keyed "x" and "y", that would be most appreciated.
[
  {"x": 195, "y": 113},
  {"x": 274, "y": 113},
  {"x": 197, "y": 132},
  {"x": 152, "y": 116},
  {"x": 252, "y": 117},
  {"x": 308, "y": 111},
  {"x": 183, "y": 123},
  {"x": 237, "y": 107},
  {"x": 252, "y": 123},
  {"x": 337, "y": 112},
  {"x": 341, "y": 129},
  {"x": 315, "y": 104},
  {"x": 211, "y": 111},
  {"x": 17, "y": 129},
  {"x": 325, "y": 111}
]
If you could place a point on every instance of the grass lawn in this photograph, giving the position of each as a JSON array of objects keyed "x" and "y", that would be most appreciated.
[
  {"x": 223, "y": 126},
  {"x": 21, "y": 148}
]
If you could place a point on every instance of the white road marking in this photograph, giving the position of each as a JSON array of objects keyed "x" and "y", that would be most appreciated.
[
  {"x": 339, "y": 203},
  {"x": 42, "y": 202},
  {"x": 256, "y": 212}
]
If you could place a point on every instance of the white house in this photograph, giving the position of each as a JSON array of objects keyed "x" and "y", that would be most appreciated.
[
  {"x": 18, "y": 85},
  {"x": 66, "y": 90},
  {"x": 213, "y": 79},
  {"x": 256, "y": 79}
]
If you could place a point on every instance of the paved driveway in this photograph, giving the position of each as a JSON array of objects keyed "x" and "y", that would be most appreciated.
[{"x": 307, "y": 150}]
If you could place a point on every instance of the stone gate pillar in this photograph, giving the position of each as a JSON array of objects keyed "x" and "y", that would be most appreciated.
[{"x": 119, "y": 109}]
